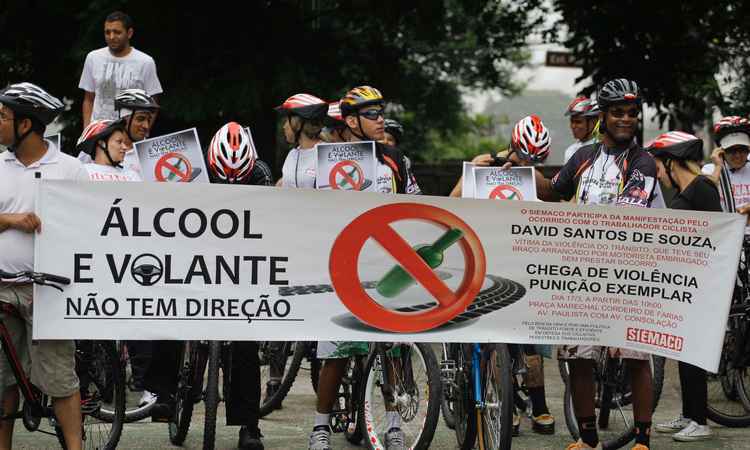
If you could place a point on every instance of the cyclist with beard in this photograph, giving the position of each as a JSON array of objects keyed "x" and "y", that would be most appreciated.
[{"x": 615, "y": 171}]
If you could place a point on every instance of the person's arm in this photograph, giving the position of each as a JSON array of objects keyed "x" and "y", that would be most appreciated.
[
  {"x": 717, "y": 157},
  {"x": 26, "y": 222},
  {"x": 544, "y": 189},
  {"x": 479, "y": 160},
  {"x": 87, "y": 107}
]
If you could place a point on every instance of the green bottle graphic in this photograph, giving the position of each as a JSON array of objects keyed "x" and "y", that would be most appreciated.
[{"x": 397, "y": 279}]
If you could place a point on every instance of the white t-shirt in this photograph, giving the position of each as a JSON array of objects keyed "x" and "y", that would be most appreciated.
[
  {"x": 573, "y": 148},
  {"x": 17, "y": 187},
  {"x": 105, "y": 75},
  {"x": 298, "y": 170},
  {"x": 100, "y": 172},
  {"x": 740, "y": 180}
]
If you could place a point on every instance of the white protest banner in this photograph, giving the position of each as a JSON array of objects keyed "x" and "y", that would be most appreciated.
[
  {"x": 349, "y": 166},
  {"x": 55, "y": 139},
  {"x": 467, "y": 180},
  {"x": 496, "y": 183},
  {"x": 166, "y": 261},
  {"x": 175, "y": 157}
]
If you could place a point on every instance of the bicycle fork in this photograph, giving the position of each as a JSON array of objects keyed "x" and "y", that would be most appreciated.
[{"x": 476, "y": 359}]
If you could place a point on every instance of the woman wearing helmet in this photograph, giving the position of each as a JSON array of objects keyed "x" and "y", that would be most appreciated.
[
  {"x": 677, "y": 157},
  {"x": 304, "y": 116},
  {"x": 584, "y": 114},
  {"x": 104, "y": 142},
  {"x": 732, "y": 135},
  {"x": 335, "y": 129},
  {"x": 529, "y": 145},
  {"x": 393, "y": 133}
]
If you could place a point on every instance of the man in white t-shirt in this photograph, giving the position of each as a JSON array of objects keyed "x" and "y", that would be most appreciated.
[
  {"x": 25, "y": 111},
  {"x": 113, "y": 68},
  {"x": 584, "y": 115}
]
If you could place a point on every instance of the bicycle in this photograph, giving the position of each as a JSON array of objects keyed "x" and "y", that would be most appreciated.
[
  {"x": 278, "y": 372},
  {"x": 102, "y": 380},
  {"x": 134, "y": 411},
  {"x": 402, "y": 378},
  {"x": 612, "y": 399},
  {"x": 448, "y": 369},
  {"x": 483, "y": 407}
]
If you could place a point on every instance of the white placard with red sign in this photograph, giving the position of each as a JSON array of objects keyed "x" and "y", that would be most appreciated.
[
  {"x": 175, "y": 157},
  {"x": 496, "y": 183},
  {"x": 346, "y": 166}
]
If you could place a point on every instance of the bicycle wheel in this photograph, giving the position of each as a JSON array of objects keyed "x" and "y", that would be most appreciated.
[
  {"x": 404, "y": 380},
  {"x": 351, "y": 388},
  {"x": 726, "y": 387},
  {"x": 212, "y": 395},
  {"x": 102, "y": 383},
  {"x": 134, "y": 411},
  {"x": 279, "y": 364},
  {"x": 447, "y": 374},
  {"x": 497, "y": 392},
  {"x": 189, "y": 389},
  {"x": 464, "y": 407}
]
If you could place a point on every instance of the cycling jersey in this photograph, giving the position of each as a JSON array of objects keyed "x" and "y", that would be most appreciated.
[
  {"x": 298, "y": 170},
  {"x": 740, "y": 179},
  {"x": 600, "y": 175}
]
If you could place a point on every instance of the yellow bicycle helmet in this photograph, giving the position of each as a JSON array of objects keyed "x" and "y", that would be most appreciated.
[{"x": 359, "y": 97}]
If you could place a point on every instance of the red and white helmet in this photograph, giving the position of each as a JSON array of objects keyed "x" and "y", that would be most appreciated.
[
  {"x": 579, "y": 106},
  {"x": 306, "y": 106},
  {"x": 231, "y": 154},
  {"x": 531, "y": 139},
  {"x": 97, "y": 130}
]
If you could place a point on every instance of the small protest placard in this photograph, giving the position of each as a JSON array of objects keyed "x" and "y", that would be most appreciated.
[
  {"x": 515, "y": 183},
  {"x": 348, "y": 166},
  {"x": 467, "y": 180},
  {"x": 175, "y": 157}
]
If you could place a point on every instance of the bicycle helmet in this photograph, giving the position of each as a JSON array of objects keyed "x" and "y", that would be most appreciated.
[
  {"x": 394, "y": 128},
  {"x": 732, "y": 130},
  {"x": 531, "y": 139},
  {"x": 134, "y": 100},
  {"x": 334, "y": 118},
  {"x": 99, "y": 130},
  {"x": 231, "y": 153},
  {"x": 580, "y": 106},
  {"x": 29, "y": 100},
  {"x": 359, "y": 97},
  {"x": 676, "y": 145},
  {"x": 619, "y": 90},
  {"x": 306, "y": 106}
]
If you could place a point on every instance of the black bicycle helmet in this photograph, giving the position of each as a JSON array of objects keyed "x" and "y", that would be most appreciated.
[
  {"x": 676, "y": 145},
  {"x": 619, "y": 90},
  {"x": 394, "y": 128},
  {"x": 29, "y": 100}
]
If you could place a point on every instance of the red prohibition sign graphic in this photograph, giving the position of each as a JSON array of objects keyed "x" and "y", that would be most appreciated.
[
  {"x": 346, "y": 173},
  {"x": 506, "y": 192},
  {"x": 173, "y": 166},
  {"x": 376, "y": 224}
]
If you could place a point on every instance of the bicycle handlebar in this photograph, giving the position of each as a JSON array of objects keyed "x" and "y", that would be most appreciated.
[{"x": 40, "y": 278}]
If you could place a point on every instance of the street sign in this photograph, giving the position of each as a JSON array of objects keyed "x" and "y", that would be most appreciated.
[{"x": 561, "y": 59}]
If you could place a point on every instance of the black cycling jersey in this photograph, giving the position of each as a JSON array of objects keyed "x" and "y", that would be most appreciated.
[
  {"x": 596, "y": 174},
  {"x": 700, "y": 195}
]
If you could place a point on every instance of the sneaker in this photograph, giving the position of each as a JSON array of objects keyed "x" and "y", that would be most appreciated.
[
  {"x": 543, "y": 424},
  {"x": 580, "y": 445},
  {"x": 249, "y": 440},
  {"x": 693, "y": 432},
  {"x": 672, "y": 426},
  {"x": 147, "y": 398},
  {"x": 516, "y": 425},
  {"x": 394, "y": 439},
  {"x": 320, "y": 438},
  {"x": 272, "y": 387}
]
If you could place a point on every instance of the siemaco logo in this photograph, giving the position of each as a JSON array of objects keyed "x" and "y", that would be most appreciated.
[{"x": 655, "y": 338}]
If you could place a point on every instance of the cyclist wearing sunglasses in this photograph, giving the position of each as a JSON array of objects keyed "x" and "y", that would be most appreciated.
[
  {"x": 584, "y": 116},
  {"x": 614, "y": 171},
  {"x": 362, "y": 109}
]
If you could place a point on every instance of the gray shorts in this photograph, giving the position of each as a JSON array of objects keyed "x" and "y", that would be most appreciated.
[{"x": 51, "y": 363}]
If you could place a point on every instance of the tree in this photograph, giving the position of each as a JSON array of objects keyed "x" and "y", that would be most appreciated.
[
  {"x": 673, "y": 49},
  {"x": 238, "y": 61}
]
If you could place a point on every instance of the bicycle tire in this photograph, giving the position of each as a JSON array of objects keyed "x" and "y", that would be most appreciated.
[
  {"x": 618, "y": 440},
  {"x": 354, "y": 431},
  {"x": 270, "y": 403},
  {"x": 131, "y": 414},
  {"x": 189, "y": 388},
  {"x": 725, "y": 409},
  {"x": 497, "y": 429},
  {"x": 465, "y": 406},
  {"x": 419, "y": 429},
  {"x": 101, "y": 370},
  {"x": 211, "y": 399},
  {"x": 446, "y": 405}
]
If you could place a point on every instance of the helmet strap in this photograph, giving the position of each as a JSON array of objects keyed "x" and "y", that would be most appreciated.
[
  {"x": 127, "y": 127},
  {"x": 17, "y": 137},
  {"x": 668, "y": 168},
  {"x": 112, "y": 162},
  {"x": 364, "y": 135}
]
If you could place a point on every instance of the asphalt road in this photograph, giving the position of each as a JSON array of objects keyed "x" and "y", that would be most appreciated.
[{"x": 289, "y": 427}]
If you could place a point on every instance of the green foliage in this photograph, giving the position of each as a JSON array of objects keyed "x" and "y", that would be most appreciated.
[
  {"x": 236, "y": 61},
  {"x": 474, "y": 135}
]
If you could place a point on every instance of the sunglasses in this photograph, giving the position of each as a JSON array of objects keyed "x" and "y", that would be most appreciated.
[
  {"x": 620, "y": 113},
  {"x": 372, "y": 114}
]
